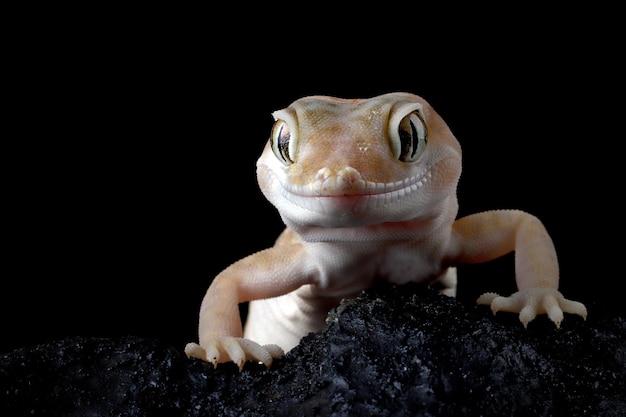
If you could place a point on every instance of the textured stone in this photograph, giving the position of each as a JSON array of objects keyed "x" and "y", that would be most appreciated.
[{"x": 393, "y": 351}]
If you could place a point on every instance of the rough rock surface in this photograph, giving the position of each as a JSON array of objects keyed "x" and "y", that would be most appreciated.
[{"x": 393, "y": 351}]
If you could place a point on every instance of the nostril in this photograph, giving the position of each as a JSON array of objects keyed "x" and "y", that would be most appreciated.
[
  {"x": 324, "y": 173},
  {"x": 349, "y": 174}
]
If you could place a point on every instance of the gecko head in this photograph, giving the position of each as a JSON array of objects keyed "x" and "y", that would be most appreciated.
[{"x": 333, "y": 162}]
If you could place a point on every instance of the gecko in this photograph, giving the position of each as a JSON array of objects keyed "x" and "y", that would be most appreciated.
[{"x": 367, "y": 190}]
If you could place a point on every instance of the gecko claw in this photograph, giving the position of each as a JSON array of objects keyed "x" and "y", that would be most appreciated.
[
  {"x": 527, "y": 314},
  {"x": 551, "y": 306}
]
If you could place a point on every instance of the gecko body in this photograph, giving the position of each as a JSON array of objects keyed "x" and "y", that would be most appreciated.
[{"x": 367, "y": 190}]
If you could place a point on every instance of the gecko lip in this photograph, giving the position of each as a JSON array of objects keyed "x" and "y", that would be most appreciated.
[
  {"x": 349, "y": 183},
  {"x": 340, "y": 198}
]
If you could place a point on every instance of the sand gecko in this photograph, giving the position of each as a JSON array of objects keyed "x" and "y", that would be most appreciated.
[{"x": 367, "y": 190}]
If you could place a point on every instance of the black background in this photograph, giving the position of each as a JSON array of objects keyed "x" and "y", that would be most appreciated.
[{"x": 131, "y": 174}]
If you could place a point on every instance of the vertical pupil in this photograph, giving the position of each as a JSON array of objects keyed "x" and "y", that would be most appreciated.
[
  {"x": 412, "y": 135},
  {"x": 408, "y": 140},
  {"x": 283, "y": 141},
  {"x": 416, "y": 140}
]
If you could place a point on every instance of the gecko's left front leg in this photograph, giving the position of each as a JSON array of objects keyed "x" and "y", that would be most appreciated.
[{"x": 485, "y": 236}]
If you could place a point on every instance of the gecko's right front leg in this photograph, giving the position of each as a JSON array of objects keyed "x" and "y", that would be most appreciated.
[{"x": 268, "y": 273}]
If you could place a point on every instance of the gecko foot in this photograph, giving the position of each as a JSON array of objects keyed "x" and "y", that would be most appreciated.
[
  {"x": 533, "y": 301},
  {"x": 235, "y": 349}
]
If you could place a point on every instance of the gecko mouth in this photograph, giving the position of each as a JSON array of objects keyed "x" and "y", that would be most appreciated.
[{"x": 346, "y": 193}]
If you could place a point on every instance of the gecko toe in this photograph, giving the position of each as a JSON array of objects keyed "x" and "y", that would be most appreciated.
[
  {"x": 487, "y": 298},
  {"x": 274, "y": 350},
  {"x": 194, "y": 350},
  {"x": 256, "y": 352},
  {"x": 574, "y": 307},
  {"x": 553, "y": 309},
  {"x": 234, "y": 350},
  {"x": 527, "y": 314},
  {"x": 510, "y": 304}
]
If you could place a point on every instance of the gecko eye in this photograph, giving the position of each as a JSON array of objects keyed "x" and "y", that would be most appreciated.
[
  {"x": 282, "y": 142},
  {"x": 409, "y": 141}
]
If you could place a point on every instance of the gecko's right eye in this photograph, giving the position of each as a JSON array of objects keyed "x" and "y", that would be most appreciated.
[
  {"x": 281, "y": 142},
  {"x": 408, "y": 134}
]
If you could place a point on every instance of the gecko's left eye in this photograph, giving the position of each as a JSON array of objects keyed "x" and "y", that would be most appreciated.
[
  {"x": 282, "y": 142},
  {"x": 408, "y": 142}
]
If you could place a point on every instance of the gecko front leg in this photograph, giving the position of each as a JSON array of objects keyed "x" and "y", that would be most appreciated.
[
  {"x": 268, "y": 273},
  {"x": 485, "y": 236}
]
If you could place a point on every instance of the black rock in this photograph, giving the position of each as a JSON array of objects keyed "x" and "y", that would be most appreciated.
[{"x": 393, "y": 351}]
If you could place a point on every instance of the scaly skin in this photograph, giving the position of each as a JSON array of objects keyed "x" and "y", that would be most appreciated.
[{"x": 367, "y": 190}]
